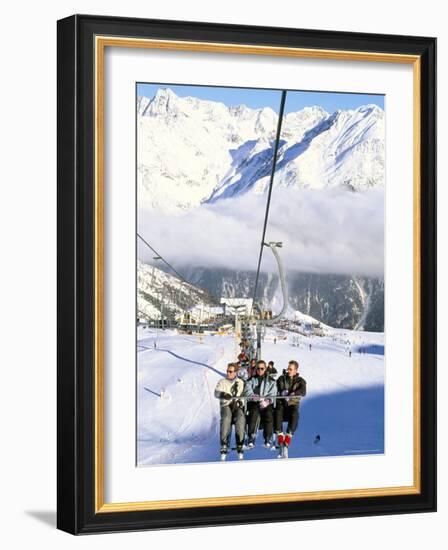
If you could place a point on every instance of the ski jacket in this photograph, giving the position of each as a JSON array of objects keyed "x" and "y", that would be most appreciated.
[
  {"x": 295, "y": 386},
  {"x": 242, "y": 373},
  {"x": 271, "y": 370},
  {"x": 233, "y": 387},
  {"x": 251, "y": 370},
  {"x": 261, "y": 385}
]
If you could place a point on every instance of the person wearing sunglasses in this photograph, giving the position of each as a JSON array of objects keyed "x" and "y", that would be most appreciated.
[
  {"x": 291, "y": 388},
  {"x": 232, "y": 410},
  {"x": 260, "y": 391}
]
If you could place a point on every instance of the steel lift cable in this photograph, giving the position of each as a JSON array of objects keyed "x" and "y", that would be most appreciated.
[{"x": 268, "y": 202}]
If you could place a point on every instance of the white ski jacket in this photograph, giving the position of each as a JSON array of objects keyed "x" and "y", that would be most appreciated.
[{"x": 233, "y": 387}]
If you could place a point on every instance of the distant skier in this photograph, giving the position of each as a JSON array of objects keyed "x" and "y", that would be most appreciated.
[
  {"x": 260, "y": 391},
  {"x": 232, "y": 410},
  {"x": 292, "y": 387}
]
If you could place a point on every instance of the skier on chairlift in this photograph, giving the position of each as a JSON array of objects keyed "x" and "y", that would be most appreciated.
[
  {"x": 232, "y": 410},
  {"x": 290, "y": 388},
  {"x": 260, "y": 391},
  {"x": 251, "y": 369},
  {"x": 271, "y": 369}
]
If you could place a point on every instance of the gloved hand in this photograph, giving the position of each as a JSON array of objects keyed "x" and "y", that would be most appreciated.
[{"x": 225, "y": 395}]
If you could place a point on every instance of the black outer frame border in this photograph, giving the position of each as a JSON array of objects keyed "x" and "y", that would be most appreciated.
[{"x": 75, "y": 271}]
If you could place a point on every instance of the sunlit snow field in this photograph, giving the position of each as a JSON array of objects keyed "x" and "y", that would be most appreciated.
[{"x": 178, "y": 415}]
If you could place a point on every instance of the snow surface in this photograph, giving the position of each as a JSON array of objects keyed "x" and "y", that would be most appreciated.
[{"x": 178, "y": 416}]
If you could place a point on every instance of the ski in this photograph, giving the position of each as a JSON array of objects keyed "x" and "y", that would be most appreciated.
[{"x": 282, "y": 451}]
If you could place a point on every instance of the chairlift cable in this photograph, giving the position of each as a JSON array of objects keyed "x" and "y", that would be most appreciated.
[
  {"x": 163, "y": 259},
  {"x": 268, "y": 202}
]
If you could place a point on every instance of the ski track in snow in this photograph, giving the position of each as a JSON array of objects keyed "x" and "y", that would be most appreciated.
[
  {"x": 189, "y": 360},
  {"x": 344, "y": 403}
]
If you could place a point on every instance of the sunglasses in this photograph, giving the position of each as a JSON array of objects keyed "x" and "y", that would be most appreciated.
[{"x": 261, "y": 368}]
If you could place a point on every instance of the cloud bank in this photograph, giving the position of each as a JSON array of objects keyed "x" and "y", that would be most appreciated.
[{"x": 325, "y": 231}]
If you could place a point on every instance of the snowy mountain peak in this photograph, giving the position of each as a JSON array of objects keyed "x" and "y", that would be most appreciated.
[
  {"x": 371, "y": 108},
  {"x": 224, "y": 151},
  {"x": 165, "y": 102},
  {"x": 311, "y": 112},
  {"x": 164, "y": 94}
]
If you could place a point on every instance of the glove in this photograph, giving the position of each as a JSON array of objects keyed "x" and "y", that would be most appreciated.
[{"x": 225, "y": 395}]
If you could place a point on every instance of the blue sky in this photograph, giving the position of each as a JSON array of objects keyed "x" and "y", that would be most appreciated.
[{"x": 257, "y": 98}]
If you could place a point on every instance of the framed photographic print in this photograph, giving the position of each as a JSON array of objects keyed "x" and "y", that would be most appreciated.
[{"x": 246, "y": 274}]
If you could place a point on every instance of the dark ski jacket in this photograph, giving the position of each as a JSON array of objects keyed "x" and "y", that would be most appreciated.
[
  {"x": 295, "y": 386},
  {"x": 271, "y": 370}
]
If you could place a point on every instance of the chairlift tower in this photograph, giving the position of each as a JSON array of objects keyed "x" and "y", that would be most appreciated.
[{"x": 261, "y": 323}]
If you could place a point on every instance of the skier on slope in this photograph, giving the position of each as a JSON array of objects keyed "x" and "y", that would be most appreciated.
[
  {"x": 292, "y": 387},
  {"x": 232, "y": 410},
  {"x": 260, "y": 391}
]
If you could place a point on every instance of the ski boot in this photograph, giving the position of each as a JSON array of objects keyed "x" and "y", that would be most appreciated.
[
  {"x": 223, "y": 453},
  {"x": 281, "y": 444},
  {"x": 288, "y": 438}
]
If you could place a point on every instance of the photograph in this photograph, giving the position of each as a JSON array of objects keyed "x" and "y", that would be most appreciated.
[{"x": 260, "y": 252}]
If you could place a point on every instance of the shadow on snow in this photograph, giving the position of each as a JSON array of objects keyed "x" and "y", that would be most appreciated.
[{"x": 349, "y": 422}]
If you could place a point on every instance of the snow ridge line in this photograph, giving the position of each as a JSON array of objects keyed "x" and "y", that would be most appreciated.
[
  {"x": 190, "y": 360},
  {"x": 151, "y": 391}
]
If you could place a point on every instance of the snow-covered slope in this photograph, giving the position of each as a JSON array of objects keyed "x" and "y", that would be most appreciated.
[
  {"x": 157, "y": 290},
  {"x": 192, "y": 151},
  {"x": 178, "y": 415}
]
